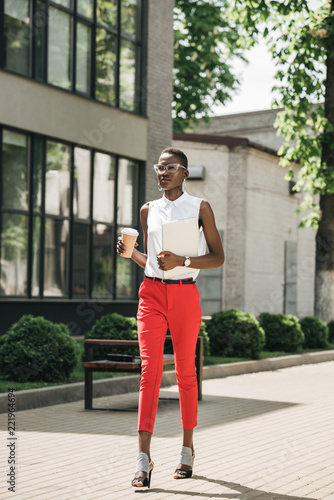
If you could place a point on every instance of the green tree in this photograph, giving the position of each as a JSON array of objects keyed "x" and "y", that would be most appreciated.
[
  {"x": 205, "y": 42},
  {"x": 301, "y": 41}
]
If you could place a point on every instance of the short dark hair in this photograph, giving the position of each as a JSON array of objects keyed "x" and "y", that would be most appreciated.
[{"x": 178, "y": 153}]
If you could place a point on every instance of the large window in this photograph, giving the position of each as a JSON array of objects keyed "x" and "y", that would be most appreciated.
[
  {"x": 91, "y": 47},
  {"x": 62, "y": 207}
]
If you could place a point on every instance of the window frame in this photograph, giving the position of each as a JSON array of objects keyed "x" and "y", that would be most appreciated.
[
  {"x": 32, "y": 213},
  {"x": 139, "y": 42}
]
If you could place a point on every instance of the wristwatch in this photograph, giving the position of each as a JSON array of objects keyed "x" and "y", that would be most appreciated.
[{"x": 187, "y": 261}]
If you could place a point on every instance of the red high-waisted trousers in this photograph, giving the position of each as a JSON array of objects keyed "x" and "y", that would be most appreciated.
[{"x": 176, "y": 306}]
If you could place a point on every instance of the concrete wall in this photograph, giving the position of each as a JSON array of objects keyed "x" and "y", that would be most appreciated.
[
  {"x": 213, "y": 188},
  {"x": 257, "y": 126},
  {"x": 252, "y": 205},
  {"x": 33, "y": 106},
  {"x": 305, "y": 271},
  {"x": 272, "y": 220}
]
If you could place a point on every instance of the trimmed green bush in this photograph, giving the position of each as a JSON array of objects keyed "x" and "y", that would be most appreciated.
[
  {"x": 113, "y": 327},
  {"x": 206, "y": 340},
  {"x": 315, "y": 332},
  {"x": 35, "y": 349},
  {"x": 117, "y": 327},
  {"x": 283, "y": 332},
  {"x": 235, "y": 333},
  {"x": 331, "y": 331}
]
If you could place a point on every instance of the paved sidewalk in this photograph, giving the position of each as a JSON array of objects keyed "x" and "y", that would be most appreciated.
[{"x": 267, "y": 436}]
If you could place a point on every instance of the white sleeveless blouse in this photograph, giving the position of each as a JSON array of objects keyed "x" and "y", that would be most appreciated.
[{"x": 164, "y": 210}]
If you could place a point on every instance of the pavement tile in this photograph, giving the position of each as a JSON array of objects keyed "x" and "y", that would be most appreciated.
[{"x": 265, "y": 436}]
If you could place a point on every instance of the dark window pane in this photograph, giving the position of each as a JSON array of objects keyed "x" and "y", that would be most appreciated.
[
  {"x": 80, "y": 259},
  {"x": 104, "y": 187},
  {"x": 40, "y": 24},
  {"x": 126, "y": 278},
  {"x": 81, "y": 190},
  {"x": 106, "y": 12},
  {"x": 105, "y": 66},
  {"x": 102, "y": 261},
  {"x": 59, "y": 48},
  {"x": 14, "y": 242},
  {"x": 17, "y": 35},
  {"x": 85, "y": 8},
  {"x": 127, "y": 199},
  {"x": 56, "y": 258},
  {"x": 57, "y": 182},
  {"x": 37, "y": 174},
  {"x": 129, "y": 17},
  {"x": 127, "y": 77},
  {"x": 15, "y": 170},
  {"x": 83, "y": 58},
  {"x": 36, "y": 255}
]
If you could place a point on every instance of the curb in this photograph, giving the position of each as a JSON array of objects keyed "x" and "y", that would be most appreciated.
[
  {"x": 268, "y": 364},
  {"x": 68, "y": 393}
]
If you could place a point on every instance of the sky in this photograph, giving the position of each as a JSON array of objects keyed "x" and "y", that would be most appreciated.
[{"x": 256, "y": 80}]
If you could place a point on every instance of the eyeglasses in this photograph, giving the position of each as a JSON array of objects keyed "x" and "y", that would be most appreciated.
[{"x": 172, "y": 168}]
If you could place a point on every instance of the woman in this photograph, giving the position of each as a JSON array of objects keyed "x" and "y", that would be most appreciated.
[{"x": 169, "y": 303}]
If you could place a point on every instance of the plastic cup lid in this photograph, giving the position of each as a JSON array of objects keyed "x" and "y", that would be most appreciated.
[{"x": 130, "y": 231}]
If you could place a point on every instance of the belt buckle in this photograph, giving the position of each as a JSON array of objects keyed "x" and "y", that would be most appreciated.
[{"x": 163, "y": 281}]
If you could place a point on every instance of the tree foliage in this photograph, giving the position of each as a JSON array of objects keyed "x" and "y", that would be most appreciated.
[
  {"x": 301, "y": 41},
  {"x": 205, "y": 42}
]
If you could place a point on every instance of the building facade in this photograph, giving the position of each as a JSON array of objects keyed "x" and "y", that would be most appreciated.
[
  {"x": 270, "y": 261},
  {"x": 257, "y": 126},
  {"x": 85, "y": 109}
]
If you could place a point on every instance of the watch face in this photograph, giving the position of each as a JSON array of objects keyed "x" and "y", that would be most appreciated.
[{"x": 187, "y": 262}]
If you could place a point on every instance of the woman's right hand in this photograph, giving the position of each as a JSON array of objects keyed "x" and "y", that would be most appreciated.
[{"x": 120, "y": 247}]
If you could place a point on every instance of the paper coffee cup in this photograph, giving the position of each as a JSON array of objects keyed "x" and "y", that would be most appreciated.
[{"x": 129, "y": 236}]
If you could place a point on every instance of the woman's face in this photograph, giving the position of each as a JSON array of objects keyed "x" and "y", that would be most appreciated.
[{"x": 167, "y": 180}]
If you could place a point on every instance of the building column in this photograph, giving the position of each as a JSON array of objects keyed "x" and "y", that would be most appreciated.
[
  {"x": 235, "y": 235},
  {"x": 159, "y": 83}
]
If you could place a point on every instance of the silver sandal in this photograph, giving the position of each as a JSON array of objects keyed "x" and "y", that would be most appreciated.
[
  {"x": 143, "y": 464},
  {"x": 187, "y": 457}
]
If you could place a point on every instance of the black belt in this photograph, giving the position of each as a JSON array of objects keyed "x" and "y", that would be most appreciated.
[{"x": 186, "y": 281}]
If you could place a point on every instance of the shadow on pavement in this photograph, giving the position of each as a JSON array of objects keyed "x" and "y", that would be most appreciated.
[
  {"x": 240, "y": 492},
  {"x": 213, "y": 411},
  {"x": 216, "y": 410}
]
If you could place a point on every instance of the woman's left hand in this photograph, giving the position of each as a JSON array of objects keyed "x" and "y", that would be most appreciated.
[{"x": 168, "y": 260}]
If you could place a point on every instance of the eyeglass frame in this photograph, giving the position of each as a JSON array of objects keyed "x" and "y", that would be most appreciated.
[{"x": 157, "y": 165}]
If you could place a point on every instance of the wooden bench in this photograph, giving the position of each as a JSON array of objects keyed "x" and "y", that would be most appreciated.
[{"x": 91, "y": 366}]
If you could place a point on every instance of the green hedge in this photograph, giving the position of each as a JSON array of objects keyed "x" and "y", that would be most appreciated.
[
  {"x": 117, "y": 327},
  {"x": 331, "y": 331},
  {"x": 283, "y": 332},
  {"x": 315, "y": 332},
  {"x": 35, "y": 349},
  {"x": 206, "y": 340},
  {"x": 236, "y": 334},
  {"x": 113, "y": 327}
]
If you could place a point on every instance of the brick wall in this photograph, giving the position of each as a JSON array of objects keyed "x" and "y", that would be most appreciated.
[
  {"x": 236, "y": 229},
  {"x": 159, "y": 82}
]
